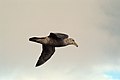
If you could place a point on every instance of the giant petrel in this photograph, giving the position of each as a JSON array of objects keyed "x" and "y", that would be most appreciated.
[{"x": 49, "y": 43}]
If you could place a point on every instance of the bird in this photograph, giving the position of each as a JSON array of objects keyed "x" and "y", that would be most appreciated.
[{"x": 49, "y": 43}]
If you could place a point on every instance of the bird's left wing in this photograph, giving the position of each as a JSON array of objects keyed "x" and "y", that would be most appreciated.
[{"x": 46, "y": 54}]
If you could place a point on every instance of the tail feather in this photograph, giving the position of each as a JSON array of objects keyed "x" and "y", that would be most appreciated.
[{"x": 36, "y": 39}]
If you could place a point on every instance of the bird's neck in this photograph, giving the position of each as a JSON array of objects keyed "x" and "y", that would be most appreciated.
[{"x": 66, "y": 41}]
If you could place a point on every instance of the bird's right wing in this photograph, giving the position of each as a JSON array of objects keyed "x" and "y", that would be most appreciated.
[
  {"x": 58, "y": 35},
  {"x": 46, "y": 54}
]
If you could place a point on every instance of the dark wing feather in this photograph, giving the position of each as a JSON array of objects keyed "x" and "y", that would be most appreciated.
[
  {"x": 58, "y": 35},
  {"x": 46, "y": 54}
]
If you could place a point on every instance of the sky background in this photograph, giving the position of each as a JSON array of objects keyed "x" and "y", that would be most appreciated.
[{"x": 94, "y": 24}]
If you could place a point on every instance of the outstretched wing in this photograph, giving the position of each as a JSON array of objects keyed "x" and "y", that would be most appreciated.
[
  {"x": 46, "y": 54},
  {"x": 58, "y": 35}
]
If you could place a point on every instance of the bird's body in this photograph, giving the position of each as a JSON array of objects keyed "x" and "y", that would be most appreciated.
[{"x": 49, "y": 43}]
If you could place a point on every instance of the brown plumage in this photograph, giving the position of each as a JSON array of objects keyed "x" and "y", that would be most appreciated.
[{"x": 49, "y": 43}]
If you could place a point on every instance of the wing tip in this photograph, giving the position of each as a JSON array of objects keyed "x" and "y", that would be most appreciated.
[
  {"x": 36, "y": 65},
  {"x": 39, "y": 63}
]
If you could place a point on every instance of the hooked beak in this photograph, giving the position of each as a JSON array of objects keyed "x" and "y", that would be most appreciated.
[{"x": 75, "y": 44}]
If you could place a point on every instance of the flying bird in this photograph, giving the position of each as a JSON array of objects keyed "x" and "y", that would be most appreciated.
[{"x": 49, "y": 43}]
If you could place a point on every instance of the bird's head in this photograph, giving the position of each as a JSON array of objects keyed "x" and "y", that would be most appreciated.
[{"x": 71, "y": 41}]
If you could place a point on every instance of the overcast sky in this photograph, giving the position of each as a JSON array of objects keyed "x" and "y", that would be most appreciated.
[{"x": 94, "y": 24}]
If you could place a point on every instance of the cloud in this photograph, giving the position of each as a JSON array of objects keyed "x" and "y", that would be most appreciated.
[
  {"x": 111, "y": 27},
  {"x": 96, "y": 72},
  {"x": 111, "y": 11}
]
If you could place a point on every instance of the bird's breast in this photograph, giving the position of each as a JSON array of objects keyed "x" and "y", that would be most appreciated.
[{"x": 56, "y": 43}]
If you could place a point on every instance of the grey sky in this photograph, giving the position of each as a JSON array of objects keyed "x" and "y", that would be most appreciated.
[{"x": 93, "y": 24}]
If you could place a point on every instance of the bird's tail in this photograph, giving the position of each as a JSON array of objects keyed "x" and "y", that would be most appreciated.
[{"x": 36, "y": 39}]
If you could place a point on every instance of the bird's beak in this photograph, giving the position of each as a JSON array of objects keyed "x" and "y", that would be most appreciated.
[{"x": 75, "y": 44}]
